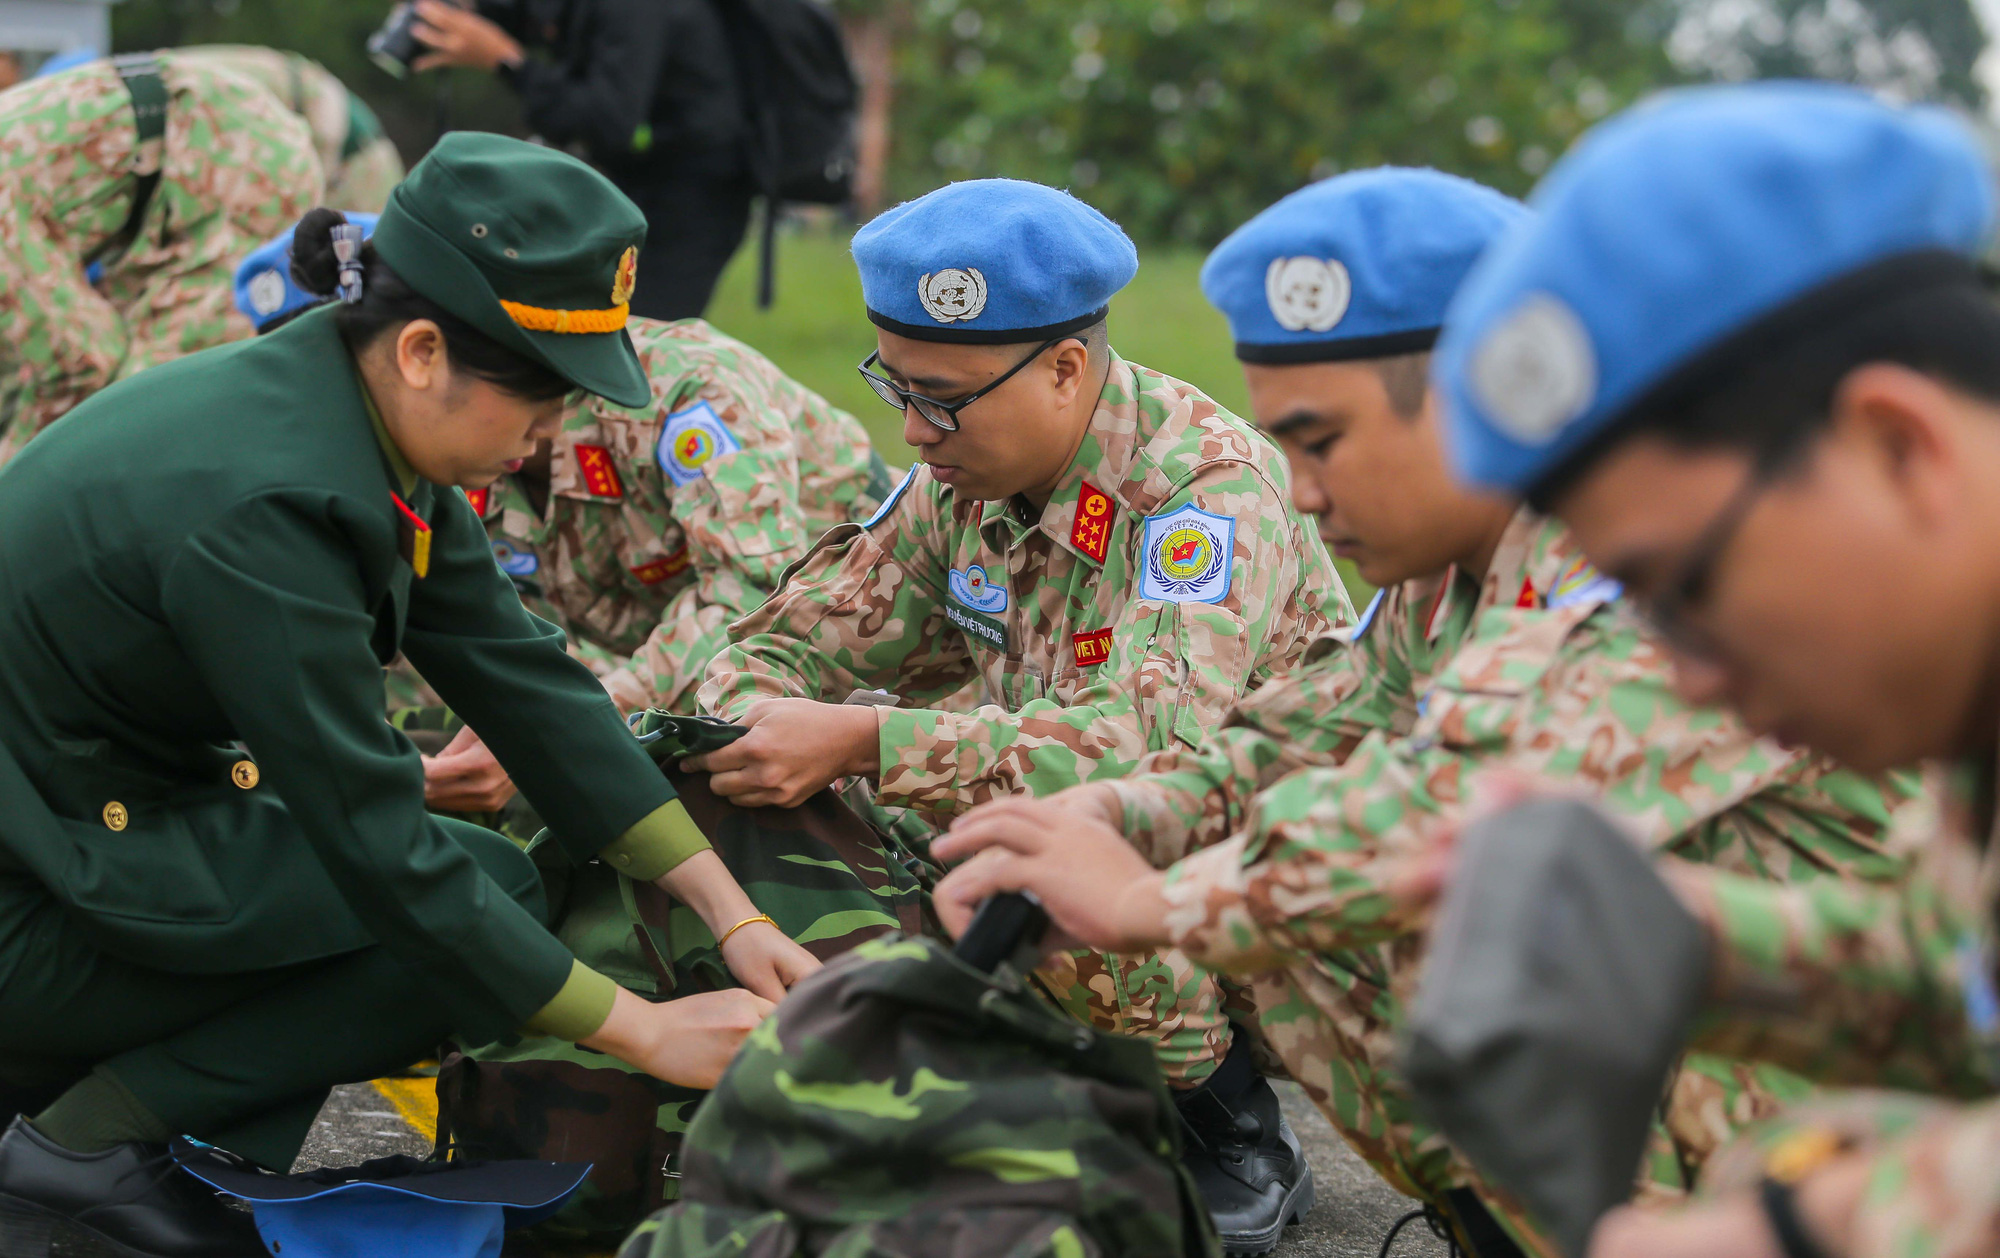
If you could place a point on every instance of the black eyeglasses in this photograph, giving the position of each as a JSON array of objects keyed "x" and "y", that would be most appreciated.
[
  {"x": 1668, "y": 613},
  {"x": 941, "y": 414}
]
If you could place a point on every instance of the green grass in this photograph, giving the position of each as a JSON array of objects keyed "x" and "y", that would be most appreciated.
[{"x": 817, "y": 331}]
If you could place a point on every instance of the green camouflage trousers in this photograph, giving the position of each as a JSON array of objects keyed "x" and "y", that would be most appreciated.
[{"x": 236, "y": 168}]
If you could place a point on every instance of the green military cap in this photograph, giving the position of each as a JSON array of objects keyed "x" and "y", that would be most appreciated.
[{"x": 528, "y": 245}]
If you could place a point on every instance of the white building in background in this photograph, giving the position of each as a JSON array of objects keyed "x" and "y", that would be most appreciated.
[{"x": 40, "y": 28}]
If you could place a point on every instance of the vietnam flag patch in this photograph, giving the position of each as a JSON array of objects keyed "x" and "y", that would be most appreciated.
[
  {"x": 1091, "y": 533},
  {"x": 1091, "y": 648},
  {"x": 654, "y": 571},
  {"x": 600, "y": 475},
  {"x": 413, "y": 536},
  {"x": 479, "y": 498}
]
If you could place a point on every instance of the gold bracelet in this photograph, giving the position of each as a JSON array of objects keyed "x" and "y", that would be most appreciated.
[{"x": 740, "y": 925}]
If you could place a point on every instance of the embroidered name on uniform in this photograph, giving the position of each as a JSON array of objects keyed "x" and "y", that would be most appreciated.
[
  {"x": 478, "y": 498},
  {"x": 600, "y": 475},
  {"x": 982, "y": 602},
  {"x": 1091, "y": 532},
  {"x": 1187, "y": 556},
  {"x": 654, "y": 571},
  {"x": 689, "y": 439},
  {"x": 1091, "y": 648},
  {"x": 413, "y": 536},
  {"x": 515, "y": 559}
]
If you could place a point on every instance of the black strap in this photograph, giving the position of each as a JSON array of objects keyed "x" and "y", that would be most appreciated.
[
  {"x": 141, "y": 73},
  {"x": 1781, "y": 1210}
]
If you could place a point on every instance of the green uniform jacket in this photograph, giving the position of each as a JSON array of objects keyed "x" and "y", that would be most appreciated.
[{"x": 208, "y": 554}]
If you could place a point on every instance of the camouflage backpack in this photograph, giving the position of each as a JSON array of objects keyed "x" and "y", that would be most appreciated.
[
  {"x": 825, "y": 876},
  {"x": 902, "y": 1103}
]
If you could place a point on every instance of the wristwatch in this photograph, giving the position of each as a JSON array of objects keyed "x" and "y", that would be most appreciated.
[{"x": 1781, "y": 1210}]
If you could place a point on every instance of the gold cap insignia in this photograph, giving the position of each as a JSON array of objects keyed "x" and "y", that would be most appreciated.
[
  {"x": 244, "y": 773},
  {"x": 115, "y": 816},
  {"x": 628, "y": 277}
]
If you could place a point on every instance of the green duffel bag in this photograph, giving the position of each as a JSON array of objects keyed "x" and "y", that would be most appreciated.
[
  {"x": 827, "y": 878},
  {"x": 901, "y": 1102}
]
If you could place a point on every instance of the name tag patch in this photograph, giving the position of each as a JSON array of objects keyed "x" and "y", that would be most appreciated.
[
  {"x": 1091, "y": 648},
  {"x": 1187, "y": 556},
  {"x": 515, "y": 559},
  {"x": 654, "y": 571},
  {"x": 689, "y": 440},
  {"x": 599, "y": 473}
]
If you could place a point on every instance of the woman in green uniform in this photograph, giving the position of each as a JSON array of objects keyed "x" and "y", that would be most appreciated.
[{"x": 220, "y": 893}]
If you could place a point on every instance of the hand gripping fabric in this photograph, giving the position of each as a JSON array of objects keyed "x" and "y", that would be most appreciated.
[{"x": 1563, "y": 978}]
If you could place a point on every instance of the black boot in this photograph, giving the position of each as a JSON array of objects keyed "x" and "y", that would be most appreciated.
[
  {"x": 1243, "y": 1156},
  {"x": 131, "y": 1201}
]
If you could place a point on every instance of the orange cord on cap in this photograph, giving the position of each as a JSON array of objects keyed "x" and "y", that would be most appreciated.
[{"x": 540, "y": 319}]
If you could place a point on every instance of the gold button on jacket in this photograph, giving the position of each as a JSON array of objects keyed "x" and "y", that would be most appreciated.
[
  {"x": 244, "y": 774},
  {"x": 115, "y": 815}
]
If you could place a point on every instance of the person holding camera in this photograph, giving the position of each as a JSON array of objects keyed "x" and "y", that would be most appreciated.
[{"x": 646, "y": 90}]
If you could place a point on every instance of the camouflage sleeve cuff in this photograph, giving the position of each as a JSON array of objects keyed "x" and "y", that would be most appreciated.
[
  {"x": 1208, "y": 907},
  {"x": 580, "y": 1009},
  {"x": 657, "y": 845},
  {"x": 1151, "y": 822},
  {"x": 919, "y": 750}
]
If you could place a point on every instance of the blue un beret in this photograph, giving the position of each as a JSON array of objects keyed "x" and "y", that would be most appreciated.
[
  {"x": 989, "y": 262},
  {"x": 1361, "y": 265},
  {"x": 1683, "y": 231},
  {"x": 265, "y": 289}
]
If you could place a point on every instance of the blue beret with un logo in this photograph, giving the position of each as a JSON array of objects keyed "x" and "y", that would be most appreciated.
[
  {"x": 1361, "y": 265},
  {"x": 991, "y": 262},
  {"x": 265, "y": 290},
  {"x": 1678, "y": 237}
]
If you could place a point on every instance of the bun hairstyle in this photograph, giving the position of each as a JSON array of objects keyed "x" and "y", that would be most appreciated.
[{"x": 387, "y": 303}]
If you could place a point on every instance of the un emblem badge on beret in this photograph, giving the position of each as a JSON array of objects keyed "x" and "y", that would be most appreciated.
[
  {"x": 953, "y": 295},
  {"x": 1534, "y": 372},
  {"x": 267, "y": 293},
  {"x": 1307, "y": 294}
]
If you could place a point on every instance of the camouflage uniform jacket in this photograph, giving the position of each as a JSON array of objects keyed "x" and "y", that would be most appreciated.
[
  {"x": 1537, "y": 667},
  {"x": 665, "y": 524},
  {"x": 1166, "y": 576},
  {"x": 362, "y": 165},
  {"x": 235, "y": 169}
]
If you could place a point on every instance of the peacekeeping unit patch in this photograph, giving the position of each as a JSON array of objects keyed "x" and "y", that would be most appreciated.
[
  {"x": 689, "y": 440},
  {"x": 975, "y": 604},
  {"x": 1187, "y": 556}
]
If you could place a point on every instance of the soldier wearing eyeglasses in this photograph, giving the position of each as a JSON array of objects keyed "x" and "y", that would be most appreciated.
[{"x": 1106, "y": 554}]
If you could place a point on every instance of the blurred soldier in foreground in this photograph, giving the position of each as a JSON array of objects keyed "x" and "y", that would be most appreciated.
[
  {"x": 1492, "y": 645},
  {"x": 1104, "y": 550},
  {"x": 360, "y": 162},
  {"x": 1746, "y": 353},
  {"x": 165, "y": 173}
]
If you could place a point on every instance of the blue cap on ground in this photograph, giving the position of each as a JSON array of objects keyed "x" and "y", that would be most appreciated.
[
  {"x": 1679, "y": 229},
  {"x": 991, "y": 261},
  {"x": 395, "y": 1207},
  {"x": 265, "y": 290},
  {"x": 68, "y": 59},
  {"x": 1361, "y": 265}
]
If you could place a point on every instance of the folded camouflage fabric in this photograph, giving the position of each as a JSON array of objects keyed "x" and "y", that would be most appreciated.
[
  {"x": 822, "y": 873},
  {"x": 1562, "y": 981},
  {"x": 901, "y": 1102}
]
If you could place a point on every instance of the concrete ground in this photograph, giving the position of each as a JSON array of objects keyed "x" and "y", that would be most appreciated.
[{"x": 1353, "y": 1211}]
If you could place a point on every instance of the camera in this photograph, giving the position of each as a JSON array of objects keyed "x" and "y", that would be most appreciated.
[{"x": 395, "y": 44}]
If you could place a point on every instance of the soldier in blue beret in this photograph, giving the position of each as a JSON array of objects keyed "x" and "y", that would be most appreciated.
[
  {"x": 266, "y": 292},
  {"x": 1103, "y": 555},
  {"x": 220, "y": 893},
  {"x": 1746, "y": 351}
]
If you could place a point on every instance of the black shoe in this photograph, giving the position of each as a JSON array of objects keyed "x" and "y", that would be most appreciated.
[
  {"x": 1245, "y": 1160},
  {"x": 131, "y": 1201}
]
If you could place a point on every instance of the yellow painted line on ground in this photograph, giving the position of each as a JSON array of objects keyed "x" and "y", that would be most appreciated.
[{"x": 416, "y": 1100}]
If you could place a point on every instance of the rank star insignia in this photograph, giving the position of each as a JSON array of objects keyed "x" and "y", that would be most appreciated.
[
  {"x": 600, "y": 474},
  {"x": 628, "y": 277},
  {"x": 1091, "y": 531},
  {"x": 479, "y": 498}
]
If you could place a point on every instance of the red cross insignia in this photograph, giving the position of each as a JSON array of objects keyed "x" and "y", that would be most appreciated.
[
  {"x": 600, "y": 475},
  {"x": 1091, "y": 533}
]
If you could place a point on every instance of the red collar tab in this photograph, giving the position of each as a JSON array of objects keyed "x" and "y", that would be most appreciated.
[
  {"x": 413, "y": 536},
  {"x": 600, "y": 474},
  {"x": 1527, "y": 598},
  {"x": 479, "y": 498},
  {"x": 1091, "y": 531}
]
